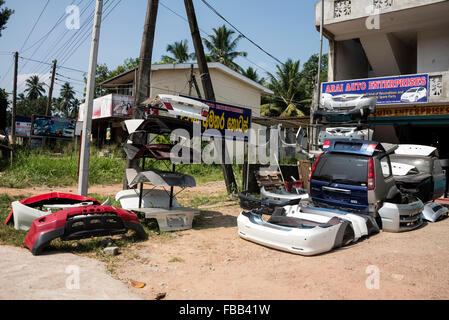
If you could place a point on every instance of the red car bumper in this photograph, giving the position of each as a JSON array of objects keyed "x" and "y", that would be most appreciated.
[{"x": 80, "y": 223}]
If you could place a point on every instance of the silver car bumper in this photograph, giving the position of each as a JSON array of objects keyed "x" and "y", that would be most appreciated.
[{"x": 401, "y": 217}]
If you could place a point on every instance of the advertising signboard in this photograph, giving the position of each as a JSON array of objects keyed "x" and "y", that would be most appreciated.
[
  {"x": 23, "y": 129},
  {"x": 388, "y": 90},
  {"x": 224, "y": 117},
  {"x": 43, "y": 126},
  {"x": 112, "y": 105}
]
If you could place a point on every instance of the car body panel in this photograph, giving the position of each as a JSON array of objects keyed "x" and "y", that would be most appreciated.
[
  {"x": 428, "y": 182},
  {"x": 81, "y": 223},
  {"x": 434, "y": 211},
  {"x": 344, "y": 132},
  {"x": 401, "y": 217},
  {"x": 356, "y": 106},
  {"x": 47, "y": 199},
  {"x": 281, "y": 195},
  {"x": 306, "y": 239},
  {"x": 179, "y": 106}
]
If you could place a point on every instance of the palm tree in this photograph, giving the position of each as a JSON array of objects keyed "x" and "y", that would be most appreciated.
[
  {"x": 34, "y": 88},
  {"x": 180, "y": 53},
  {"x": 65, "y": 103},
  {"x": 250, "y": 73},
  {"x": 222, "y": 47},
  {"x": 287, "y": 84}
]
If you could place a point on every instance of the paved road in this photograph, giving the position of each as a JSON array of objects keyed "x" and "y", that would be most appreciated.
[{"x": 61, "y": 276}]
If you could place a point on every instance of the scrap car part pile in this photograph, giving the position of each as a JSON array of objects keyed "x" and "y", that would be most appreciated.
[
  {"x": 75, "y": 217},
  {"x": 353, "y": 181}
]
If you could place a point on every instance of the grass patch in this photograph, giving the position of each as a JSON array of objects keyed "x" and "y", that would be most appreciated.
[
  {"x": 205, "y": 200},
  {"x": 9, "y": 235},
  {"x": 44, "y": 168}
]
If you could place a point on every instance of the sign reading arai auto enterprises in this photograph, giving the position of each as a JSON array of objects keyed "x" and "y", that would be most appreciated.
[{"x": 387, "y": 90}]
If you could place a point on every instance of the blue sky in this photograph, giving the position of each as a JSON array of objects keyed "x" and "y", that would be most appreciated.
[{"x": 285, "y": 28}]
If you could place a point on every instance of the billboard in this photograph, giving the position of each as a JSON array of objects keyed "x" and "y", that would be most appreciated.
[
  {"x": 43, "y": 126},
  {"x": 224, "y": 117},
  {"x": 23, "y": 129},
  {"x": 112, "y": 105},
  {"x": 388, "y": 90}
]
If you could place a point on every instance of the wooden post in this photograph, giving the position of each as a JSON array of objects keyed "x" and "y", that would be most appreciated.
[
  {"x": 146, "y": 55},
  {"x": 50, "y": 92},
  {"x": 143, "y": 76},
  {"x": 208, "y": 89}
]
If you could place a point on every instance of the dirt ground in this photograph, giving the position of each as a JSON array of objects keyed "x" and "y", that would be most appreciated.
[{"x": 212, "y": 262}]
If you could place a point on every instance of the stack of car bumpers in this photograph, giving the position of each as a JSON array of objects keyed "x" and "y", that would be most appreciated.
[{"x": 75, "y": 218}]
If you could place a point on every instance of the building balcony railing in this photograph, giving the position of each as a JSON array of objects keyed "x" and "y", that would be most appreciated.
[{"x": 340, "y": 10}]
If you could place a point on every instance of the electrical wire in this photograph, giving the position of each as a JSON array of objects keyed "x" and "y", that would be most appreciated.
[
  {"x": 205, "y": 33},
  {"x": 242, "y": 34},
  {"x": 34, "y": 26}
]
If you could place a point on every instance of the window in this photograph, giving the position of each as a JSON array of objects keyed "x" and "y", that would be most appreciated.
[
  {"x": 386, "y": 167},
  {"x": 342, "y": 168}
]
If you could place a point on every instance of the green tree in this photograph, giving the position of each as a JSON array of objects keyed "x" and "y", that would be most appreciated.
[
  {"x": 222, "y": 47},
  {"x": 103, "y": 73},
  {"x": 28, "y": 107},
  {"x": 34, "y": 88},
  {"x": 250, "y": 73},
  {"x": 287, "y": 85},
  {"x": 310, "y": 71},
  {"x": 128, "y": 64},
  {"x": 65, "y": 104},
  {"x": 179, "y": 53},
  {"x": 5, "y": 14}
]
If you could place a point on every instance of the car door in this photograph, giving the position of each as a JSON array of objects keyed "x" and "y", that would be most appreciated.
[{"x": 439, "y": 179}]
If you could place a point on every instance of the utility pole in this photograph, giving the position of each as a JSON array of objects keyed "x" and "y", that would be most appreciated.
[
  {"x": 313, "y": 130},
  {"x": 14, "y": 101},
  {"x": 192, "y": 82},
  {"x": 14, "y": 106},
  {"x": 146, "y": 55},
  {"x": 50, "y": 93},
  {"x": 90, "y": 92},
  {"x": 206, "y": 81},
  {"x": 142, "y": 79}
]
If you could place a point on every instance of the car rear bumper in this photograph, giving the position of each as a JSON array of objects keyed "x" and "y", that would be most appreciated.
[{"x": 303, "y": 241}]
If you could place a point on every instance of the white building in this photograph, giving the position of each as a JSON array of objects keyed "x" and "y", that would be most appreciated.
[{"x": 387, "y": 38}]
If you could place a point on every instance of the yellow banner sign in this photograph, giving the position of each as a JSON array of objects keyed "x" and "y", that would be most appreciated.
[{"x": 413, "y": 112}]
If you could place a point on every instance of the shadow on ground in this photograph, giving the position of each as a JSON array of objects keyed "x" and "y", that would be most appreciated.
[{"x": 214, "y": 219}]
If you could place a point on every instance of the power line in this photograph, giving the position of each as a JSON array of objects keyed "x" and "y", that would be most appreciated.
[
  {"x": 49, "y": 32},
  {"x": 35, "y": 24},
  {"x": 87, "y": 37},
  {"x": 206, "y": 33},
  {"x": 49, "y": 64},
  {"x": 242, "y": 34},
  {"x": 59, "y": 40}
]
